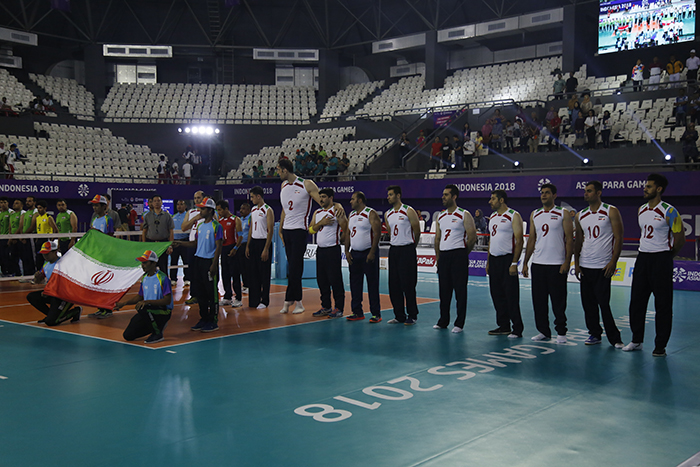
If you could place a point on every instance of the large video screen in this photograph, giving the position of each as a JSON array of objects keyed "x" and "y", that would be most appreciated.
[{"x": 625, "y": 25}]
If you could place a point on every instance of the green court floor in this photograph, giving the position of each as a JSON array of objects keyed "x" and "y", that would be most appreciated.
[{"x": 338, "y": 393}]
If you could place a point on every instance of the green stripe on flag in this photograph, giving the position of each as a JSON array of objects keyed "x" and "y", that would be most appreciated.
[{"x": 115, "y": 251}]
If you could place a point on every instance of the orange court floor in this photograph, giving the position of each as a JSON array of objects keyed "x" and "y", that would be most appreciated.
[{"x": 241, "y": 320}]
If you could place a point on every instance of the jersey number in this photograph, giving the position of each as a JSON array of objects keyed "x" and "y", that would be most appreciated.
[
  {"x": 291, "y": 204},
  {"x": 545, "y": 229},
  {"x": 354, "y": 231},
  {"x": 396, "y": 230},
  {"x": 649, "y": 231},
  {"x": 493, "y": 230},
  {"x": 447, "y": 234},
  {"x": 595, "y": 233}
]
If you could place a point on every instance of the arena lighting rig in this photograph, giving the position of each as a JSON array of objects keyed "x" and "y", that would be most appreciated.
[{"x": 199, "y": 130}]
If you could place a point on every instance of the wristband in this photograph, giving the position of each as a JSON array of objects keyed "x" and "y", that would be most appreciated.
[
  {"x": 311, "y": 230},
  {"x": 514, "y": 264},
  {"x": 235, "y": 248}
]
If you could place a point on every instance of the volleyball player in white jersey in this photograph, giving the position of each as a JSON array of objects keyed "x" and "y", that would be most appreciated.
[
  {"x": 550, "y": 245},
  {"x": 404, "y": 229},
  {"x": 328, "y": 224},
  {"x": 597, "y": 247},
  {"x": 296, "y": 196},
  {"x": 505, "y": 246},
  {"x": 258, "y": 250},
  {"x": 455, "y": 236},
  {"x": 361, "y": 246},
  {"x": 662, "y": 237}
]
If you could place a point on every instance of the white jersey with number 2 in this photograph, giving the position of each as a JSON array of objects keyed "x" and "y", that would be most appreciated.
[{"x": 296, "y": 203}]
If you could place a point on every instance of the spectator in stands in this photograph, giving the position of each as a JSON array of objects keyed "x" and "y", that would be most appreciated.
[
  {"x": 332, "y": 167},
  {"x": 162, "y": 170},
  {"x": 344, "y": 164},
  {"x": 694, "y": 106},
  {"x": 322, "y": 154},
  {"x": 508, "y": 132},
  {"x": 681, "y": 106},
  {"x": 4, "y": 153},
  {"x": 420, "y": 141},
  {"x": 189, "y": 152},
  {"x": 436, "y": 153},
  {"x": 554, "y": 129},
  {"x": 404, "y": 144},
  {"x": 579, "y": 130},
  {"x": 654, "y": 74},
  {"x": 6, "y": 109},
  {"x": 175, "y": 173},
  {"x": 486, "y": 129},
  {"x": 692, "y": 64},
  {"x": 605, "y": 127},
  {"x": 48, "y": 103},
  {"x": 272, "y": 173},
  {"x": 482, "y": 226},
  {"x": 320, "y": 170},
  {"x": 446, "y": 151},
  {"x": 13, "y": 157},
  {"x": 571, "y": 85},
  {"x": 187, "y": 171},
  {"x": 674, "y": 69},
  {"x": 256, "y": 172},
  {"x": 37, "y": 107},
  {"x": 590, "y": 125},
  {"x": 575, "y": 114},
  {"x": 533, "y": 133},
  {"x": 689, "y": 140},
  {"x": 637, "y": 75},
  {"x": 497, "y": 132},
  {"x": 466, "y": 132},
  {"x": 196, "y": 161},
  {"x": 299, "y": 163},
  {"x": 314, "y": 153},
  {"x": 559, "y": 86},
  {"x": 586, "y": 104},
  {"x": 123, "y": 213},
  {"x": 550, "y": 114},
  {"x": 282, "y": 156},
  {"x": 310, "y": 166},
  {"x": 458, "y": 152}
]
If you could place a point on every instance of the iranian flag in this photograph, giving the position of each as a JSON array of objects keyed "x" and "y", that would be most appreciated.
[{"x": 99, "y": 270}]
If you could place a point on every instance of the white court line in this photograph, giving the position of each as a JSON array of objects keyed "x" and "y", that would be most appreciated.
[
  {"x": 83, "y": 316},
  {"x": 692, "y": 462},
  {"x": 170, "y": 351},
  {"x": 3, "y": 377}
]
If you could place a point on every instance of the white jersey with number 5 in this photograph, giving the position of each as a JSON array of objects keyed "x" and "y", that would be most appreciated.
[
  {"x": 399, "y": 226},
  {"x": 296, "y": 203},
  {"x": 597, "y": 248},
  {"x": 452, "y": 231},
  {"x": 328, "y": 235},
  {"x": 657, "y": 225},
  {"x": 550, "y": 247},
  {"x": 502, "y": 240},
  {"x": 360, "y": 228},
  {"x": 258, "y": 222}
]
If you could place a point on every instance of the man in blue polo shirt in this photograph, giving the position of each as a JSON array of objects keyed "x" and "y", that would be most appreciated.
[{"x": 154, "y": 302}]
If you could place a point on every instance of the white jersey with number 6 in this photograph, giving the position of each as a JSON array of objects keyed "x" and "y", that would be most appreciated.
[
  {"x": 360, "y": 228},
  {"x": 597, "y": 248},
  {"x": 502, "y": 240},
  {"x": 399, "y": 226},
  {"x": 258, "y": 222},
  {"x": 296, "y": 203},
  {"x": 328, "y": 235},
  {"x": 550, "y": 247},
  {"x": 452, "y": 231}
]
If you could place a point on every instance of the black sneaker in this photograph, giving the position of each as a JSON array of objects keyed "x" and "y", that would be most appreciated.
[
  {"x": 76, "y": 317},
  {"x": 153, "y": 338},
  {"x": 499, "y": 332},
  {"x": 198, "y": 326},
  {"x": 659, "y": 352},
  {"x": 41, "y": 321}
]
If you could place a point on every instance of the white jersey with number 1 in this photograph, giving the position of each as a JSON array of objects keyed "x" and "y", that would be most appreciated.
[{"x": 328, "y": 235}]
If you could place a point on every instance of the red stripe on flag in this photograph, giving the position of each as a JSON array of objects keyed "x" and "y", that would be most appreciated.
[{"x": 62, "y": 287}]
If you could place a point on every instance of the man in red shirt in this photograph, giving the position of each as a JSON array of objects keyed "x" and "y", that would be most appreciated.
[
  {"x": 554, "y": 127},
  {"x": 230, "y": 270},
  {"x": 436, "y": 153}
]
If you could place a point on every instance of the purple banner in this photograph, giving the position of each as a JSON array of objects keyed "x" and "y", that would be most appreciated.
[
  {"x": 686, "y": 275},
  {"x": 442, "y": 118}
]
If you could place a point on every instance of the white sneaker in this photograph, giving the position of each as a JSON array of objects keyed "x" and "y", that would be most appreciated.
[
  {"x": 299, "y": 308},
  {"x": 393, "y": 321},
  {"x": 619, "y": 345},
  {"x": 540, "y": 337},
  {"x": 225, "y": 302},
  {"x": 457, "y": 329},
  {"x": 186, "y": 284},
  {"x": 561, "y": 339},
  {"x": 262, "y": 306},
  {"x": 632, "y": 346},
  {"x": 435, "y": 326},
  {"x": 236, "y": 303},
  {"x": 285, "y": 307},
  {"x": 244, "y": 290},
  {"x": 514, "y": 336}
]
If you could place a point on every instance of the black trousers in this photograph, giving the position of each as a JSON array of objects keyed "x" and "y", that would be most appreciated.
[
  {"x": 653, "y": 273},
  {"x": 230, "y": 272},
  {"x": 162, "y": 259},
  {"x": 548, "y": 284},
  {"x": 258, "y": 274},
  {"x": 329, "y": 275},
  {"x": 5, "y": 257},
  {"x": 595, "y": 298},
  {"x": 692, "y": 75},
  {"x": 187, "y": 256},
  {"x": 207, "y": 290},
  {"x": 243, "y": 264},
  {"x": 63, "y": 246},
  {"x": 295, "y": 247},
  {"x": 15, "y": 251},
  {"x": 403, "y": 277},
  {"x": 56, "y": 310},
  {"x": 27, "y": 256},
  {"x": 144, "y": 323},
  {"x": 175, "y": 257},
  {"x": 453, "y": 275},
  {"x": 505, "y": 293},
  {"x": 38, "y": 257},
  {"x": 359, "y": 269}
]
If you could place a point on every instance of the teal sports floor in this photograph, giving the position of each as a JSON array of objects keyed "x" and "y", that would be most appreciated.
[{"x": 339, "y": 393}]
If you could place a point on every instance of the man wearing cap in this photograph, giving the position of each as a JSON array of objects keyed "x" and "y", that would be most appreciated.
[
  {"x": 158, "y": 226},
  {"x": 205, "y": 266},
  {"x": 114, "y": 215},
  {"x": 692, "y": 64},
  {"x": 55, "y": 309},
  {"x": 154, "y": 302},
  {"x": 105, "y": 224}
]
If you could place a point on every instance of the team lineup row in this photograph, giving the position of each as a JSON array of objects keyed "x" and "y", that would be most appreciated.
[{"x": 596, "y": 247}]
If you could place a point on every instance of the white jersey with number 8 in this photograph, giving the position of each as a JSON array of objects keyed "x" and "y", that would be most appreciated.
[{"x": 502, "y": 240}]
